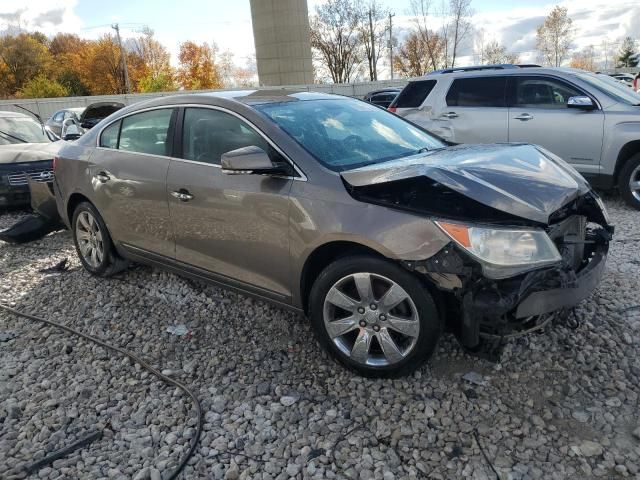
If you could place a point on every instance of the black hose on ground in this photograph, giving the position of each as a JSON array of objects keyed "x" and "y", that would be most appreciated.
[{"x": 136, "y": 359}]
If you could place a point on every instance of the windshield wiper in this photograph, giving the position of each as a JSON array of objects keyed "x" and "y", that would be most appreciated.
[{"x": 13, "y": 136}]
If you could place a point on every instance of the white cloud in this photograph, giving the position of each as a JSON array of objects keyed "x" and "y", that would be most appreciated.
[{"x": 46, "y": 16}]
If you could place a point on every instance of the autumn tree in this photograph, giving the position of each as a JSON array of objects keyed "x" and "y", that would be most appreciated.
[
  {"x": 413, "y": 57},
  {"x": 157, "y": 73},
  {"x": 336, "y": 39},
  {"x": 24, "y": 56},
  {"x": 198, "y": 69},
  {"x": 459, "y": 27},
  {"x": 433, "y": 42},
  {"x": 42, "y": 87},
  {"x": 102, "y": 68},
  {"x": 68, "y": 65},
  {"x": 373, "y": 30},
  {"x": 628, "y": 56},
  {"x": 584, "y": 60},
  {"x": 495, "y": 53},
  {"x": 554, "y": 37}
]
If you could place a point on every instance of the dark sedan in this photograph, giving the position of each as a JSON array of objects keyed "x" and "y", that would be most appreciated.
[{"x": 26, "y": 151}]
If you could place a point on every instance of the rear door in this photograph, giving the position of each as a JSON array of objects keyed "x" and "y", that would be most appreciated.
[
  {"x": 129, "y": 174},
  {"x": 234, "y": 226},
  {"x": 539, "y": 114},
  {"x": 475, "y": 111}
]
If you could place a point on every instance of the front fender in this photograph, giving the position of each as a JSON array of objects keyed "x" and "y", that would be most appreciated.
[{"x": 616, "y": 137}]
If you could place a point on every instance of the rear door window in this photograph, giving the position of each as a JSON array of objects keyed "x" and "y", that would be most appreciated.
[
  {"x": 147, "y": 132},
  {"x": 414, "y": 94},
  {"x": 478, "y": 92}
]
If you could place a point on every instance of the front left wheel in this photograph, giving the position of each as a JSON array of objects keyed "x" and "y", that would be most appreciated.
[
  {"x": 93, "y": 242},
  {"x": 374, "y": 316}
]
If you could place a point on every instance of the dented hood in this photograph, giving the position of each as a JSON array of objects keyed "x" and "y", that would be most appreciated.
[
  {"x": 523, "y": 180},
  {"x": 28, "y": 152}
]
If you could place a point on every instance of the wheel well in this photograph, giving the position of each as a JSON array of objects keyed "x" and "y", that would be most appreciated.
[
  {"x": 626, "y": 152},
  {"x": 74, "y": 200},
  {"x": 323, "y": 256}
]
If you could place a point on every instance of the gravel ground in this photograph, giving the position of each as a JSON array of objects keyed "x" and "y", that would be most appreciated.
[{"x": 559, "y": 404}]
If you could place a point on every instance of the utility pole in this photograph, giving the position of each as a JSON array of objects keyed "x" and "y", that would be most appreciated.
[
  {"x": 123, "y": 59},
  {"x": 372, "y": 63},
  {"x": 391, "y": 15}
]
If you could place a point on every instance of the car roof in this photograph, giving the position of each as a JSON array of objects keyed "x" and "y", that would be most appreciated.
[
  {"x": 238, "y": 97},
  {"x": 497, "y": 72}
]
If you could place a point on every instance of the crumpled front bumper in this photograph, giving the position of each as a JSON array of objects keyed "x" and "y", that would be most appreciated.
[{"x": 552, "y": 299}]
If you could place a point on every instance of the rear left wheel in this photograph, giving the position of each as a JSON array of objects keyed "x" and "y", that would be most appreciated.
[
  {"x": 374, "y": 317},
  {"x": 93, "y": 242}
]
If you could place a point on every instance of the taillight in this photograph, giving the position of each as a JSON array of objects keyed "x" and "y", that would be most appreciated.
[
  {"x": 392, "y": 109},
  {"x": 55, "y": 163}
]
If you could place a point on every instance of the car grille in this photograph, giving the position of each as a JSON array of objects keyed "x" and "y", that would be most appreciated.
[{"x": 20, "y": 178}]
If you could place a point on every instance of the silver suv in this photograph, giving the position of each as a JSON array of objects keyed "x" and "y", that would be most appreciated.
[{"x": 589, "y": 120}]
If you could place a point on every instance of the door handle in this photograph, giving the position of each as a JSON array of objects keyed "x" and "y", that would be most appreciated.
[
  {"x": 182, "y": 195},
  {"x": 449, "y": 115},
  {"x": 102, "y": 177},
  {"x": 524, "y": 117}
]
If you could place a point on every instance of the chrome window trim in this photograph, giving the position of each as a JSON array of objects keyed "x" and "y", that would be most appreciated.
[{"x": 302, "y": 176}]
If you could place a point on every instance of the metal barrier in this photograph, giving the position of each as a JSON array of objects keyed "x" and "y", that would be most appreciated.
[{"x": 45, "y": 107}]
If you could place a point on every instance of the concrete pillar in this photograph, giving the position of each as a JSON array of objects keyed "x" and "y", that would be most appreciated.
[{"x": 281, "y": 36}]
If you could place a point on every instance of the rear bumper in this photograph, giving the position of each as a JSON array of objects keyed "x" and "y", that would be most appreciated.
[{"x": 550, "y": 300}]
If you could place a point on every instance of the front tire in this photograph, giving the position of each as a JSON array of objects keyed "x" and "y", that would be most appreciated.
[
  {"x": 374, "y": 317},
  {"x": 629, "y": 181},
  {"x": 93, "y": 242}
]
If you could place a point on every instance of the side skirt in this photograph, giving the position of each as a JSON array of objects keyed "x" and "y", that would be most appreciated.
[{"x": 184, "y": 269}]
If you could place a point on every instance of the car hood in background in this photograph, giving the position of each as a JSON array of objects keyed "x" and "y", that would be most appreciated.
[
  {"x": 520, "y": 179},
  {"x": 28, "y": 152},
  {"x": 98, "y": 111}
]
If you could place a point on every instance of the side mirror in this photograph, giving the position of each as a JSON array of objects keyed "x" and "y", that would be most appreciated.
[
  {"x": 581, "y": 102},
  {"x": 248, "y": 160}
]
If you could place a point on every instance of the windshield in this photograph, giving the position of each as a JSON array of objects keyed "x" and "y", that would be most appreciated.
[
  {"x": 345, "y": 134},
  {"x": 611, "y": 87},
  {"x": 21, "y": 130}
]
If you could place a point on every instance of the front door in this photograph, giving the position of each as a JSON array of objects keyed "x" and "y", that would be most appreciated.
[
  {"x": 234, "y": 226},
  {"x": 129, "y": 175},
  {"x": 539, "y": 114}
]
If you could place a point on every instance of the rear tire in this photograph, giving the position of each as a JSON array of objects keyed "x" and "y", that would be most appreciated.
[
  {"x": 374, "y": 317},
  {"x": 93, "y": 242},
  {"x": 629, "y": 181}
]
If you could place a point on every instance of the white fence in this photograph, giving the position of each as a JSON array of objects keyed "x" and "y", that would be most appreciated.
[{"x": 45, "y": 107}]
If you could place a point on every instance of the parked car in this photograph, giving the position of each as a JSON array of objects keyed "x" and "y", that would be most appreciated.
[
  {"x": 376, "y": 230},
  {"x": 26, "y": 151},
  {"x": 98, "y": 111},
  {"x": 625, "y": 78},
  {"x": 58, "y": 118},
  {"x": 382, "y": 97},
  {"x": 591, "y": 121}
]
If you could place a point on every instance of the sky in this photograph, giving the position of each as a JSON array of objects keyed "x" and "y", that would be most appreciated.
[{"x": 228, "y": 22}]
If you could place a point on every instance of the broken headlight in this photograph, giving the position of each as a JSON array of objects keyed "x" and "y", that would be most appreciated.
[{"x": 504, "y": 252}]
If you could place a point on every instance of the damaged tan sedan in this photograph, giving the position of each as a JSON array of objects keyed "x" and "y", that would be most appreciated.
[{"x": 379, "y": 232}]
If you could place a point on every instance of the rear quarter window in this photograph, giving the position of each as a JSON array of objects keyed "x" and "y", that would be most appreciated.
[
  {"x": 414, "y": 94},
  {"x": 478, "y": 92}
]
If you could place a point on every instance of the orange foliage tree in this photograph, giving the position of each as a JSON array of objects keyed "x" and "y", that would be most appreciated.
[{"x": 198, "y": 68}]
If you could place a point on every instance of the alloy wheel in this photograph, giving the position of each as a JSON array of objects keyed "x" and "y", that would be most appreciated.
[
  {"x": 371, "y": 319},
  {"x": 634, "y": 183},
  {"x": 89, "y": 239}
]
